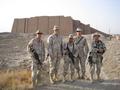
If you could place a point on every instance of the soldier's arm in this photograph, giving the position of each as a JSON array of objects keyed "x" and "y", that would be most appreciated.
[
  {"x": 43, "y": 51},
  {"x": 64, "y": 49},
  {"x": 76, "y": 50},
  {"x": 86, "y": 47},
  {"x": 30, "y": 44},
  {"x": 50, "y": 45},
  {"x": 103, "y": 47},
  {"x": 62, "y": 46}
]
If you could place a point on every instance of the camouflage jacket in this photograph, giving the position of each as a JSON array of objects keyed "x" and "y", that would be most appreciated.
[
  {"x": 72, "y": 47},
  {"x": 38, "y": 46},
  {"x": 98, "y": 47},
  {"x": 55, "y": 45},
  {"x": 82, "y": 45}
]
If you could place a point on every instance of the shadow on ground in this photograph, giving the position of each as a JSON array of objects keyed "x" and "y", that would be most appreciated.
[{"x": 83, "y": 85}]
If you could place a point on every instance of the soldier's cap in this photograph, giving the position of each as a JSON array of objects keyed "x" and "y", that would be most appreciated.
[
  {"x": 96, "y": 34},
  {"x": 55, "y": 27},
  {"x": 38, "y": 32},
  {"x": 78, "y": 30},
  {"x": 70, "y": 36}
]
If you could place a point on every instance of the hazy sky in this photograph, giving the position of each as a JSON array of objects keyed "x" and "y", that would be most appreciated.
[{"x": 103, "y": 15}]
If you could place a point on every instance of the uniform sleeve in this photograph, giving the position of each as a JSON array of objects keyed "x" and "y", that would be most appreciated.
[
  {"x": 76, "y": 52},
  {"x": 43, "y": 51},
  {"x": 29, "y": 45},
  {"x": 62, "y": 46},
  {"x": 50, "y": 44},
  {"x": 104, "y": 46},
  {"x": 86, "y": 47}
]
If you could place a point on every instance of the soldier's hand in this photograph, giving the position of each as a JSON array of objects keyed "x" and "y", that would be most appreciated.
[
  {"x": 40, "y": 67},
  {"x": 101, "y": 50},
  {"x": 52, "y": 56}
]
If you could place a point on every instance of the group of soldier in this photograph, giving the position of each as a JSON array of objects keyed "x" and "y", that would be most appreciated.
[{"x": 74, "y": 52}]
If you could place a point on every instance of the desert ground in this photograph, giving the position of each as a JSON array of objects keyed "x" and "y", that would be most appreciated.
[{"x": 15, "y": 62}]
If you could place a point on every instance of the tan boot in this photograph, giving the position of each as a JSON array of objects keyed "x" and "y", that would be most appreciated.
[
  {"x": 91, "y": 79},
  {"x": 98, "y": 77},
  {"x": 51, "y": 79},
  {"x": 64, "y": 79},
  {"x": 78, "y": 75},
  {"x": 34, "y": 84},
  {"x": 71, "y": 78},
  {"x": 55, "y": 77},
  {"x": 82, "y": 77}
]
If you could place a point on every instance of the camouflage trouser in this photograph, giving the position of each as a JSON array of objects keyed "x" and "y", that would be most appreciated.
[
  {"x": 54, "y": 65},
  {"x": 35, "y": 74},
  {"x": 80, "y": 61},
  {"x": 96, "y": 65},
  {"x": 68, "y": 63}
]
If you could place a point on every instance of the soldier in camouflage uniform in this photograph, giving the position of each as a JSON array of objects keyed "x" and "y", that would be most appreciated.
[
  {"x": 69, "y": 53},
  {"x": 36, "y": 49},
  {"x": 55, "y": 50},
  {"x": 95, "y": 56},
  {"x": 83, "y": 49}
]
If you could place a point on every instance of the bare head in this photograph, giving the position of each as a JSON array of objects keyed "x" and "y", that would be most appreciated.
[
  {"x": 71, "y": 39},
  {"x": 56, "y": 29}
]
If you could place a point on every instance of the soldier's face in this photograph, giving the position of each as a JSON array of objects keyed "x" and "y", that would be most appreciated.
[
  {"x": 56, "y": 31},
  {"x": 79, "y": 33},
  {"x": 39, "y": 35},
  {"x": 71, "y": 40},
  {"x": 96, "y": 38}
]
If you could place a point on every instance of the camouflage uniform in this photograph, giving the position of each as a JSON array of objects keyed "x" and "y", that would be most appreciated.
[
  {"x": 97, "y": 50},
  {"x": 38, "y": 46},
  {"x": 83, "y": 49},
  {"x": 67, "y": 60},
  {"x": 55, "y": 51}
]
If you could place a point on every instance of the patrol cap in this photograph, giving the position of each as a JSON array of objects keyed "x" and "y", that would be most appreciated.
[
  {"x": 70, "y": 36},
  {"x": 38, "y": 32},
  {"x": 55, "y": 27},
  {"x": 78, "y": 30},
  {"x": 96, "y": 34}
]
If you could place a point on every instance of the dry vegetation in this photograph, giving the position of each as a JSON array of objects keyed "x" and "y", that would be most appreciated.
[{"x": 15, "y": 80}]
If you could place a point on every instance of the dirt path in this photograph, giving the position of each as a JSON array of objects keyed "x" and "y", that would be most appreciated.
[
  {"x": 104, "y": 84},
  {"x": 84, "y": 85}
]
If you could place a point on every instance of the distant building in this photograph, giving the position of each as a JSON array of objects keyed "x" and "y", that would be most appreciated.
[
  {"x": 117, "y": 36},
  {"x": 45, "y": 24}
]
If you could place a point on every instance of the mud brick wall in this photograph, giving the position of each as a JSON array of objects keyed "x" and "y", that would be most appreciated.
[
  {"x": 51, "y": 21},
  {"x": 66, "y": 25},
  {"x": 14, "y": 27},
  {"x": 45, "y": 24}
]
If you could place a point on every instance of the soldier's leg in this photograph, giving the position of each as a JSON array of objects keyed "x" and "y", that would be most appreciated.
[
  {"x": 66, "y": 67},
  {"x": 34, "y": 75},
  {"x": 92, "y": 70},
  {"x": 82, "y": 63},
  {"x": 77, "y": 67},
  {"x": 52, "y": 70},
  {"x": 72, "y": 70},
  {"x": 98, "y": 67},
  {"x": 57, "y": 63}
]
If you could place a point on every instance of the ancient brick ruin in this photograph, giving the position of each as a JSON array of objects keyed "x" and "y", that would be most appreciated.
[{"x": 45, "y": 24}]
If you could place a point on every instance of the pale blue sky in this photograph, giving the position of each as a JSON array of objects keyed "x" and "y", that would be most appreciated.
[{"x": 103, "y": 15}]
